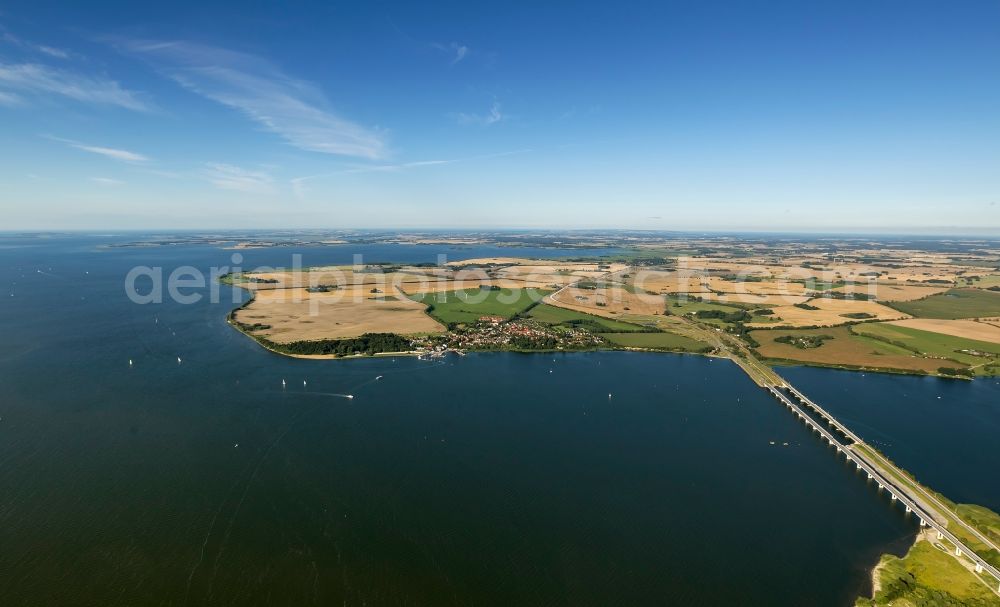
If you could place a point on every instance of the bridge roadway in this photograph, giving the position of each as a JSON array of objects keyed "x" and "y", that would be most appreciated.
[
  {"x": 926, "y": 515},
  {"x": 880, "y": 461}
]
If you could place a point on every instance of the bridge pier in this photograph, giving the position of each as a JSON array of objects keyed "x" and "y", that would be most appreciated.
[{"x": 857, "y": 458}]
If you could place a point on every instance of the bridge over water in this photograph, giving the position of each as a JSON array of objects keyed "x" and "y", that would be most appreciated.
[{"x": 927, "y": 508}]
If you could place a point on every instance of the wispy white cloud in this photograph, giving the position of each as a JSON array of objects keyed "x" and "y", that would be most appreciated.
[
  {"x": 494, "y": 116},
  {"x": 293, "y": 109},
  {"x": 39, "y": 79},
  {"x": 230, "y": 177},
  {"x": 113, "y": 153},
  {"x": 299, "y": 183},
  {"x": 300, "y": 188},
  {"x": 375, "y": 168},
  {"x": 458, "y": 51},
  {"x": 51, "y": 51},
  {"x": 107, "y": 181},
  {"x": 9, "y": 99}
]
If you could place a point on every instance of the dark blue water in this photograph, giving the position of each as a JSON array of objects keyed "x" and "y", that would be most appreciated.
[
  {"x": 492, "y": 479},
  {"x": 944, "y": 431}
]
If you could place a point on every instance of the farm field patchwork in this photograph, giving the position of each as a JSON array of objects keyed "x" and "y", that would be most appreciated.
[
  {"x": 552, "y": 315},
  {"x": 680, "y": 305},
  {"x": 980, "y": 356},
  {"x": 969, "y": 329},
  {"x": 282, "y": 316},
  {"x": 954, "y": 303},
  {"x": 831, "y": 312},
  {"x": 610, "y": 301},
  {"x": 842, "y": 349},
  {"x": 469, "y": 305}
]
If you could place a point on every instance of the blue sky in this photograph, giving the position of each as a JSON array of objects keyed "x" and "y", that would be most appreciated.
[{"x": 853, "y": 115}]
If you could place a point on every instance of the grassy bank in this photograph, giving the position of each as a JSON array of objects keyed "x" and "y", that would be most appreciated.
[
  {"x": 928, "y": 575},
  {"x": 981, "y": 519},
  {"x": 658, "y": 341}
]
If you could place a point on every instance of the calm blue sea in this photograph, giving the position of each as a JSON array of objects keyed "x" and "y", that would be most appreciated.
[{"x": 490, "y": 479}]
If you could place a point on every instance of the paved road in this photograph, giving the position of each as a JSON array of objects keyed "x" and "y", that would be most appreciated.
[
  {"x": 924, "y": 496},
  {"x": 913, "y": 502}
]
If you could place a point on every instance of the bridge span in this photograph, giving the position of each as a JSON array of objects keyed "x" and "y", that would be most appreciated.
[{"x": 914, "y": 500}]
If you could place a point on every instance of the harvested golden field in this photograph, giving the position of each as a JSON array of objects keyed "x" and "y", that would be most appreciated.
[
  {"x": 830, "y": 313},
  {"x": 903, "y": 292},
  {"x": 335, "y": 275},
  {"x": 580, "y": 270},
  {"x": 297, "y": 315},
  {"x": 499, "y": 261},
  {"x": 608, "y": 302},
  {"x": 763, "y": 287},
  {"x": 410, "y": 279},
  {"x": 753, "y": 298},
  {"x": 547, "y": 274},
  {"x": 443, "y": 286},
  {"x": 843, "y": 349},
  {"x": 655, "y": 281},
  {"x": 969, "y": 329},
  {"x": 727, "y": 266}
]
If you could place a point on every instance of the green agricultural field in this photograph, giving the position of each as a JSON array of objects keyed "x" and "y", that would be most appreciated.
[
  {"x": 926, "y": 341},
  {"x": 983, "y": 282},
  {"x": 682, "y": 306},
  {"x": 954, "y": 303},
  {"x": 551, "y": 315},
  {"x": 657, "y": 341},
  {"x": 935, "y": 345},
  {"x": 816, "y": 285},
  {"x": 469, "y": 305}
]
